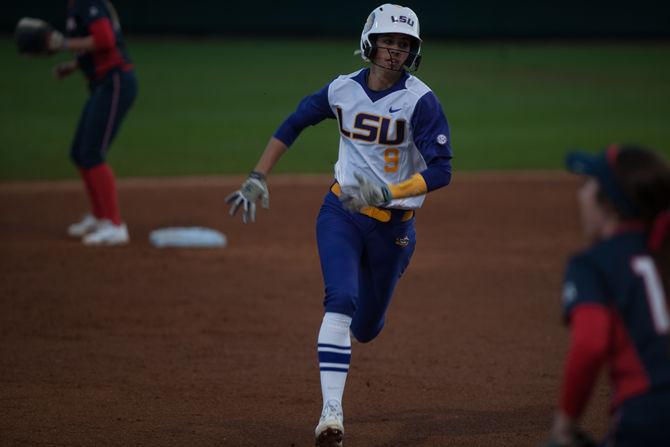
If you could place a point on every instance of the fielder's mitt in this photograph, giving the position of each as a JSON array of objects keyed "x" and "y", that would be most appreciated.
[{"x": 36, "y": 37}]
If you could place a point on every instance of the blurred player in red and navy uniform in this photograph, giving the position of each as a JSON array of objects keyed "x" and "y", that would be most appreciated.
[
  {"x": 93, "y": 34},
  {"x": 615, "y": 298}
]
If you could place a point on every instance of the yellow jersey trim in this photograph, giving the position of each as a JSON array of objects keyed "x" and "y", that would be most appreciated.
[
  {"x": 380, "y": 214},
  {"x": 413, "y": 186}
]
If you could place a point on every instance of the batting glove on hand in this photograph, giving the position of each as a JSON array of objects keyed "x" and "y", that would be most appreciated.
[
  {"x": 253, "y": 188},
  {"x": 366, "y": 193}
]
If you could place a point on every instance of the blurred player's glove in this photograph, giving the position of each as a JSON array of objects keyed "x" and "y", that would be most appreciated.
[
  {"x": 253, "y": 188},
  {"x": 37, "y": 37},
  {"x": 580, "y": 439},
  {"x": 366, "y": 193}
]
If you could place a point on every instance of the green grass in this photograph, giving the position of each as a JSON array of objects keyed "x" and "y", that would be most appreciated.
[{"x": 209, "y": 106}]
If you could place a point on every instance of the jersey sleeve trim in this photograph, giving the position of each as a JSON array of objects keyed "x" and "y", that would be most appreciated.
[{"x": 414, "y": 186}]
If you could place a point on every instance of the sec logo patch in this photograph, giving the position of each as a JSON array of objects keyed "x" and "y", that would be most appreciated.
[
  {"x": 441, "y": 139},
  {"x": 569, "y": 293}
]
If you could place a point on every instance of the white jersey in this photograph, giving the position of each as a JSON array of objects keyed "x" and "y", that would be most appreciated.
[
  {"x": 375, "y": 137},
  {"x": 386, "y": 136}
]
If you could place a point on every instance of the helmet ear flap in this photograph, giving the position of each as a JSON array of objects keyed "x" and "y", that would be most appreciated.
[
  {"x": 412, "y": 62},
  {"x": 417, "y": 62},
  {"x": 368, "y": 49}
]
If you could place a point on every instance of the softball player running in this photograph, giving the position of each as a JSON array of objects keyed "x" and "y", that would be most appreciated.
[
  {"x": 394, "y": 148},
  {"x": 93, "y": 33},
  {"x": 615, "y": 298}
]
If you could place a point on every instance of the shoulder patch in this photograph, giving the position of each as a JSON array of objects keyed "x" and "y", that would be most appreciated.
[
  {"x": 93, "y": 11},
  {"x": 569, "y": 293},
  {"x": 441, "y": 139}
]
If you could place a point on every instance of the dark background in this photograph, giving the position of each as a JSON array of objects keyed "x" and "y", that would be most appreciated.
[{"x": 452, "y": 19}]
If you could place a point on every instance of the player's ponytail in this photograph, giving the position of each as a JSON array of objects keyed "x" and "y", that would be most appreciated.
[{"x": 644, "y": 177}]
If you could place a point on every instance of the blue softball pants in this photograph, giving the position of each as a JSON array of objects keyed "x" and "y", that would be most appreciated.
[
  {"x": 361, "y": 261},
  {"x": 109, "y": 100}
]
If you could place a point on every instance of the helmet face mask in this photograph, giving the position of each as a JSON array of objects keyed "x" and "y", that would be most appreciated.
[
  {"x": 392, "y": 19},
  {"x": 389, "y": 57}
]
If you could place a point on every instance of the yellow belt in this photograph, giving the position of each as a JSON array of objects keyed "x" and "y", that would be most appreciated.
[{"x": 380, "y": 214}]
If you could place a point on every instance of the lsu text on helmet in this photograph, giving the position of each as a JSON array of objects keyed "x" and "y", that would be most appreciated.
[{"x": 389, "y": 18}]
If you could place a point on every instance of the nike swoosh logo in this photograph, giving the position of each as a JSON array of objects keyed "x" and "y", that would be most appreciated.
[{"x": 392, "y": 110}]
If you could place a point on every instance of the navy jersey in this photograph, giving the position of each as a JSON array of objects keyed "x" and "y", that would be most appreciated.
[
  {"x": 97, "y": 18},
  {"x": 619, "y": 276}
]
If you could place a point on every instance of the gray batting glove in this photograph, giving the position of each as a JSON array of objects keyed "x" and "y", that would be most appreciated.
[
  {"x": 366, "y": 193},
  {"x": 253, "y": 188}
]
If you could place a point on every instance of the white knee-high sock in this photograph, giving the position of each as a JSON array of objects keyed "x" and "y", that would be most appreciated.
[{"x": 334, "y": 347}]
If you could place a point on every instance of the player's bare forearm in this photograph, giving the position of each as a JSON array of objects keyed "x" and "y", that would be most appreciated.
[
  {"x": 65, "y": 69},
  {"x": 273, "y": 152},
  {"x": 255, "y": 187},
  {"x": 73, "y": 64},
  {"x": 76, "y": 44}
]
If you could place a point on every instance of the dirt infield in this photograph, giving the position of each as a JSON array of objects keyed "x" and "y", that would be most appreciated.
[{"x": 143, "y": 346}]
